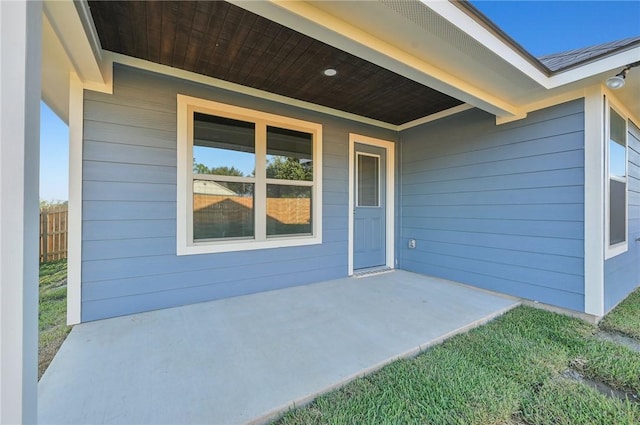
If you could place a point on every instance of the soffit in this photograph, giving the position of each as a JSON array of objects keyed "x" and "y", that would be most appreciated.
[
  {"x": 224, "y": 41},
  {"x": 411, "y": 26}
]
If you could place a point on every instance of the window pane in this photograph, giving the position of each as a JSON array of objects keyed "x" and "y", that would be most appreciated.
[
  {"x": 617, "y": 160},
  {"x": 223, "y": 146},
  {"x": 617, "y": 127},
  {"x": 617, "y": 212},
  {"x": 222, "y": 209},
  {"x": 288, "y": 210},
  {"x": 368, "y": 180},
  {"x": 289, "y": 154}
]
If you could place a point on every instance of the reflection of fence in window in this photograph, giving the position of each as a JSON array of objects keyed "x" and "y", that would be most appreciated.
[
  {"x": 222, "y": 216},
  {"x": 226, "y": 216}
]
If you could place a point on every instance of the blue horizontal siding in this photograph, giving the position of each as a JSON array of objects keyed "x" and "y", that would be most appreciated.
[
  {"x": 156, "y": 299},
  {"x": 560, "y": 195},
  {"x": 212, "y": 272},
  {"x": 498, "y": 207},
  {"x": 129, "y": 261},
  {"x": 128, "y": 210},
  {"x": 539, "y": 228},
  {"x": 553, "y": 296},
  {"x": 128, "y": 173},
  {"x": 622, "y": 272}
]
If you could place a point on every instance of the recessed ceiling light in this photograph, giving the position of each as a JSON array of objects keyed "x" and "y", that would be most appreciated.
[{"x": 329, "y": 72}]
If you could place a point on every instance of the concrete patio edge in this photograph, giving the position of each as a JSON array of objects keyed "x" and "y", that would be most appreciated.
[{"x": 278, "y": 412}]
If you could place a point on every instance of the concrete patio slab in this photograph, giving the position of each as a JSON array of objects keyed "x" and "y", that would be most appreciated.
[{"x": 247, "y": 359}]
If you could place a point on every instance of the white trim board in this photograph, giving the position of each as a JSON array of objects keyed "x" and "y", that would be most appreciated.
[
  {"x": 594, "y": 207},
  {"x": 390, "y": 202},
  {"x": 74, "y": 241},
  {"x": 611, "y": 251},
  {"x": 20, "y": 79}
]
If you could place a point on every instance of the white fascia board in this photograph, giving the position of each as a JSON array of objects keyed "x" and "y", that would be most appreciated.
[
  {"x": 619, "y": 60},
  {"x": 473, "y": 28},
  {"x": 79, "y": 42},
  {"x": 309, "y": 20}
]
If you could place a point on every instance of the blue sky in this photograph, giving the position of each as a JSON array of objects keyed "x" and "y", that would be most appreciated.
[
  {"x": 541, "y": 27},
  {"x": 544, "y": 27}
]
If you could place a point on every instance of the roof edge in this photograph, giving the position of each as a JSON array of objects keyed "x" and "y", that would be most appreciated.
[
  {"x": 489, "y": 25},
  {"x": 467, "y": 7},
  {"x": 597, "y": 57}
]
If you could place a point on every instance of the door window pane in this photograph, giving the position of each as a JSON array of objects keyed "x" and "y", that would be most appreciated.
[
  {"x": 223, "y": 146},
  {"x": 222, "y": 209},
  {"x": 289, "y": 154},
  {"x": 368, "y": 185},
  {"x": 288, "y": 210}
]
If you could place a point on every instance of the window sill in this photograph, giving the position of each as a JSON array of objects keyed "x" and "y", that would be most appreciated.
[
  {"x": 615, "y": 250},
  {"x": 239, "y": 245}
]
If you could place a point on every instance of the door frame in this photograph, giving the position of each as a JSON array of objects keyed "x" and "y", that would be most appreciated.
[{"x": 389, "y": 147}]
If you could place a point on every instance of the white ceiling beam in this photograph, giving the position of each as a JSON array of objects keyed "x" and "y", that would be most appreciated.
[
  {"x": 72, "y": 24},
  {"x": 309, "y": 20}
]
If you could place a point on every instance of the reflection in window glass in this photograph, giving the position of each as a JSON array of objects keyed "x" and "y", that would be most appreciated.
[
  {"x": 617, "y": 146},
  {"x": 222, "y": 209},
  {"x": 617, "y": 127},
  {"x": 368, "y": 180},
  {"x": 617, "y": 159},
  {"x": 223, "y": 146},
  {"x": 289, "y": 154},
  {"x": 288, "y": 210},
  {"x": 618, "y": 212},
  {"x": 617, "y": 179}
]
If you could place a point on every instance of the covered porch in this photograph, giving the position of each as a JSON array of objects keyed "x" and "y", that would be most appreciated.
[{"x": 248, "y": 359}]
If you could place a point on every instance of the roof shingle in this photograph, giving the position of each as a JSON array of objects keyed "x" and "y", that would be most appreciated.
[{"x": 563, "y": 60}]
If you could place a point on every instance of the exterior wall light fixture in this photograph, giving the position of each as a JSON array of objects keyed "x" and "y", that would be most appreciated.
[{"x": 618, "y": 80}]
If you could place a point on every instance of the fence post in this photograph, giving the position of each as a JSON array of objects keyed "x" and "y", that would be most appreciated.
[{"x": 43, "y": 236}]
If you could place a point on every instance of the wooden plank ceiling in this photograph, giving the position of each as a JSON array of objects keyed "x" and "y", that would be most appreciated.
[{"x": 224, "y": 41}]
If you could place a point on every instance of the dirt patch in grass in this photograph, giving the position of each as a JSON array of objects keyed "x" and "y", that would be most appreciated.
[
  {"x": 631, "y": 343},
  {"x": 53, "y": 312}
]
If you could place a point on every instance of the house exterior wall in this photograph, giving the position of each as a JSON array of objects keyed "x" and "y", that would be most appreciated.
[
  {"x": 129, "y": 261},
  {"x": 498, "y": 207},
  {"x": 622, "y": 272}
]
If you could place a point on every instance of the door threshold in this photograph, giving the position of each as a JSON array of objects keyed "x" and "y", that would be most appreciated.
[{"x": 372, "y": 271}]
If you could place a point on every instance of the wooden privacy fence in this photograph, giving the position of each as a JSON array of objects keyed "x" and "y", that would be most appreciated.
[{"x": 53, "y": 233}]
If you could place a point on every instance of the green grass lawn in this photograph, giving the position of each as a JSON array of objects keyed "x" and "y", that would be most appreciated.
[
  {"x": 625, "y": 318},
  {"x": 53, "y": 311},
  {"x": 510, "y": 371}
]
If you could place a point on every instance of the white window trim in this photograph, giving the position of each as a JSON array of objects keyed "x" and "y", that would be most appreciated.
[
  {"x": 611, "y": 251},
  {"x": 390, "y": 193},
  {"x": 184, "y": 214}
]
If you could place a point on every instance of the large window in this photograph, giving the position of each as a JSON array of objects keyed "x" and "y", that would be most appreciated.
[
  {"x": 616, "y": 228},
  {"x": 246, "y": 179}
]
